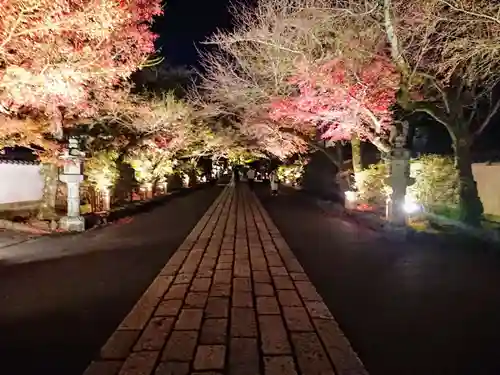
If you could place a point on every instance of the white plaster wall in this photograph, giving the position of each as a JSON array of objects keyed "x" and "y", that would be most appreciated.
[
  {"x": 20, "y": 183},
  {"x": 487, "y": 177}
]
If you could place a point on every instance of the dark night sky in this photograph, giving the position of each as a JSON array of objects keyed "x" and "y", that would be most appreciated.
[{"x": 186, "y": 23}]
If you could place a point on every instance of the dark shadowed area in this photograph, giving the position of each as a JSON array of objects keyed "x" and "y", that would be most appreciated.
[
  {"x": 56, "y": 314},
  {"x": 406, "y": 308}
]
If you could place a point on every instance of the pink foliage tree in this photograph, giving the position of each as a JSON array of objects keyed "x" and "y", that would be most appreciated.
[
  {"x": 342, "y": 100},
  {"x": 64, "y": 58}
]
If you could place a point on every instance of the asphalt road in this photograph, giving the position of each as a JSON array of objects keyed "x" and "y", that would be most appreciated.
[
  {"x": 55, "y": 314},
  {"x": 407, "y": 308}
]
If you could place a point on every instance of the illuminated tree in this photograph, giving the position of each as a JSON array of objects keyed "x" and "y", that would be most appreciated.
[
  {"x": 152, "y": 165},
  {"x": 446, "y": 54},
  {"x": 451, "y": 56},
  {"x": 64, "y": 58},
  {"x": 29, "y": 132},
  {"x": 225, "y": 142},
  {"x": 162, "y": 118},
  {"x": 343, "y": 99},
  {"x": 102, "y": 172},
  {"x": 279, "y": 71},
  {"x": 252, "y": 65}
]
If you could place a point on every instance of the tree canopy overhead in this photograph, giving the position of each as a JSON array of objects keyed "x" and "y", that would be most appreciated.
[
  {"x": 65, "y": 57},
  {"x": 303, "y": 68},
  {"x": 289, "y": 73},
  {"x": 282, "y": 71}
]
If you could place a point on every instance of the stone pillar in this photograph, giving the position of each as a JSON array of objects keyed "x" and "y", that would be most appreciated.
[
  {"x": 72, "y": 176},
  {"x": 398, "y": 163},
  {"x": 399, "y": 167},
  {"x": 106, "y": 199}
]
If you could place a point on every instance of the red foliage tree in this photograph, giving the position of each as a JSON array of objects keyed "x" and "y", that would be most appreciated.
[
  {"x": 65, "y": 57},
  {"x": 341, "y": 99}
]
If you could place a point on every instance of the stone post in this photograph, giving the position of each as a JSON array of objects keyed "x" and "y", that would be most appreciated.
[
  {"x": 106, "y": 199},
  {"x": 72, "y": 176},
  {"x": 398, "y": 163}
]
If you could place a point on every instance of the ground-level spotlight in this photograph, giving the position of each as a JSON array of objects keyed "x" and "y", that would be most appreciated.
[
  {"x": 410, "y": 206},
  {"x": 351, "y": 199},
  {"x": 351, "y": 196}
]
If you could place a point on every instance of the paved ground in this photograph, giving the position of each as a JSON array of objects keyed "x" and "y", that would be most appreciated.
[
  {"x": 10, "y": 237},
  {"x": 407, "y": 309},
  {"x": 55, "y": 313},
  {"x": 232, "y": 300}
]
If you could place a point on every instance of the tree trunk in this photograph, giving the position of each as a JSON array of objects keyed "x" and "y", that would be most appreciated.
[
  {"x": 471, "y": 207},
  {"x": 106, "y": 199},
  {"x": 50, "y": 174},
  {"x": 357, "y": 163},
  {"x": 154, "y": 187},
  {"x": 193, "y": 181},
  {"x": 47, "y": 209},
  {"x": 339, "y": 155}
]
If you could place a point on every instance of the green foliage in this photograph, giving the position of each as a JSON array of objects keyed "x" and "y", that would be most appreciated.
[
  {"x": 188, "y": 167},
  {"x": 188, "y": 171},
  {"x": 101, "y": 169},
  {"x": 291, "y": 173},
  {"x": 151, "y": 164},
  {"x": 240, "y": 156},
  {"x": 436, "y": 184},
  {"x": 371, "y": 186}
]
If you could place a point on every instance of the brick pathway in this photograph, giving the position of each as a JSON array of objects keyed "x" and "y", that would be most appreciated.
[{"x": 233, "y": 300}]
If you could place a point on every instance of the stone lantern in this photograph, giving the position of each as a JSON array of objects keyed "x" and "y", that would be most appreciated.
[
  {"x": 398, "y": 163},
  {"x": 72, "y": 176}
]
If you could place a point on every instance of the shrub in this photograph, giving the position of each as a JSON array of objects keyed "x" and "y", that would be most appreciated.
[
  {"x": 189, "y": 171},
  {"x": 151, "y": 165},
  {"x": 101, "y": 170},
  {"x": 435, "y": 187},
  {"x": 371, "y": 186},
  {"x": 436, "y": 184},
  {"x": 291, "y": 173}
]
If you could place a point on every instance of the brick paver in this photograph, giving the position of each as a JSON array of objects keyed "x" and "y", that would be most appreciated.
[{"x": 232, "y": 300}]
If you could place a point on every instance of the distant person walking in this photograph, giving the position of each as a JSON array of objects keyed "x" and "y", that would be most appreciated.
[
  {"x": 273, "y": 179},
  {"x": 236, "y": 175},
  {"x": 251, "y": 177}
]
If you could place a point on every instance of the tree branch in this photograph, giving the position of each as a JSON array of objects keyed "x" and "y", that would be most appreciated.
[
  {"x": 487, "y": 120},
  {"x": 330, "y": 157},
  {"x": 396, "y": 53},
  {"x": 313, "y": 145},
  {"x": 432, "y": 111},
  {"x": 438, "y": 87},
  {"x": 381, "y": 144},
  {"x": 263, "y": 42},
  {"x": 474, "y": 14}
]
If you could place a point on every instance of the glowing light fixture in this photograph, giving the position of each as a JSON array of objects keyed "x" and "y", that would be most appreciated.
[
  {"x": 410, "y": 206},
  {"x": 351, "y": 196}
]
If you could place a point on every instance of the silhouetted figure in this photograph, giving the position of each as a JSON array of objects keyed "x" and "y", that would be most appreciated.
[
  {"x": 236, "y": 174},
  {"x": 274, "y": 181},
  {"x": 251, "y": 177}
]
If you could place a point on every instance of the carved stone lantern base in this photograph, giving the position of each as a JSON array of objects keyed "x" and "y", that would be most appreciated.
[{"x": 72, "y": 224}]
